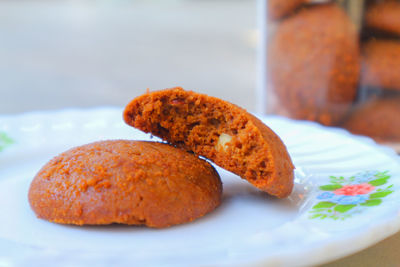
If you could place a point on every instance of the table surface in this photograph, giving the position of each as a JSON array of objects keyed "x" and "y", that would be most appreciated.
[{"x": 93, "y": 53}]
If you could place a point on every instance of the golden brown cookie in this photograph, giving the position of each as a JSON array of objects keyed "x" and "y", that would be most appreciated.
[
  {"x": 127, "y": 182},
  {"x": 280, "y": 8},
  {"x": 219, "y": 131},
  {"x": 381, "y": 64},
  {"x": 384, "y": 16},
  {"x": 377, "y": 118},
  {"x": 313, "y": 64}
]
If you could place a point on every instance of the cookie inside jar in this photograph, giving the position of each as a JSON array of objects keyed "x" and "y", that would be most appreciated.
[{"x": 331, "y": 61}]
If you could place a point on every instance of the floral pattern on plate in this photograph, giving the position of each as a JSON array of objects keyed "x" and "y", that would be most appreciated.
[
  {"x": 5, "y": 141},
  {"x": 344, "y": 197}
]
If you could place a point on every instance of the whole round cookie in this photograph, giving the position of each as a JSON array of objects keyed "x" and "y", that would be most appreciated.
[
  {"x": 377, "y": 118},
  {"x": 219, "y": 131},
  {"x": 127, "y": 182},
  {"x": 381, "y": 64},
  {"x": 384, "y": 16},
  {"x": 313, "y": 64}
]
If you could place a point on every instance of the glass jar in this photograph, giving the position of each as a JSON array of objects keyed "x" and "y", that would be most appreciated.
[{"x": 333, "y": 62}]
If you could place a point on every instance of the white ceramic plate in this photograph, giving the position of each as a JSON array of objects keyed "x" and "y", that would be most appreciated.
[{"x": 357, "y": 205}]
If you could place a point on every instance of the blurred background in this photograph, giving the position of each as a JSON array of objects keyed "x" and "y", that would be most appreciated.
[{"x": 84, "y": 53}]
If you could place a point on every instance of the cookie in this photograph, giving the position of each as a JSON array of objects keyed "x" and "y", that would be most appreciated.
[
  {"x": 384, "y": 16},
  {"x": 377, "y": 118},
  {"x": 381, "y": 64},
  {"x": 126, "y": 182},
  {"x": 219, "y": 131},
  {"x": 281, "y": 8},
  {"x": 313, "y": 64}
]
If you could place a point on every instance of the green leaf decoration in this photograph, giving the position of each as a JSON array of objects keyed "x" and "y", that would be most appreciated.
[
  {"x": 315, "y": 216},
  {"x": 372, "y": 202},
  {"x": 382, "y": 174},
  {"x": 337, "y": 180},
  {"x": 330, "y": 187},
  {"x": 344, "y": 208},
  {"x": 378, "y": 182},
  {"x": 340, "y": 212},
  {"x": 5, "y": 141},
  {"x": 315, "y": 210},
  {"x": 380, "y": 194},
  {"x": 324, "y": 205}
]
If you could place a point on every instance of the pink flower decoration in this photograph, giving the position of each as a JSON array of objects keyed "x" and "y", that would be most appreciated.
[{"x": 353, "y": 190}]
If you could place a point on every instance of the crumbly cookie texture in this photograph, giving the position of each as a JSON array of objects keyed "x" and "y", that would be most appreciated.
[
  {"x": 220, "y": 131},
  {"x": 126, "y": 182}
]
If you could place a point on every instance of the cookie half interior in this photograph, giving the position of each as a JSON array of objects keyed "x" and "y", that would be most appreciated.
[{"x": 218, "y": 130}]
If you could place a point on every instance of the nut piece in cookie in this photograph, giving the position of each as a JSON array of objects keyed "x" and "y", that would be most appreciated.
[
  {"x": 220, "y": 131},
  {"x": 127, "y": 182},
  {"x": 313, "y": 64}
]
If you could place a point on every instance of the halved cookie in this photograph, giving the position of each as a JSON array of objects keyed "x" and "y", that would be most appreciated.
[{"x": 220, "y": 131}]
